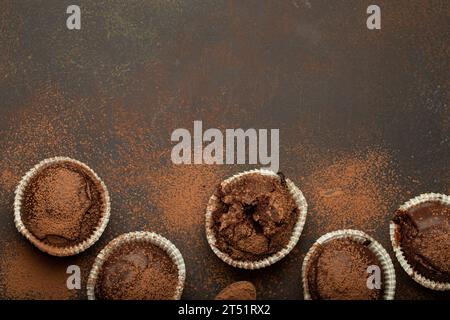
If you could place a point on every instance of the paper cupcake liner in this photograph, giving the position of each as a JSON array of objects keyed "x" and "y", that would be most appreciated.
[
  {"x": 53, "y": 250},
  {"x": 359, "y": 236},
  {"x": 149, "y": 237},
  {"x": 393, "y": 229},
  {"x": 297, "y": 231}
]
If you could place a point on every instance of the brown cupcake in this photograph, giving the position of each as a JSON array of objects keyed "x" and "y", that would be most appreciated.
[
  {"x": 255, "y": 219},
  {"x": 137, "y": 266},
  {"x": 420, "y": 234},
  {"x": 61, "y": 206},
  {"x": 337, "y": 268}
]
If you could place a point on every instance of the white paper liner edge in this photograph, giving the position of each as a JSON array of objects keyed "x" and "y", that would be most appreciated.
[
  {"x": 389, "y": 281},
  {"x": 53, "y": 250},
  {"x": 427, "y": 283},
  {"x": 297, "y": 231},
  {"x": 150, "y": 237}
]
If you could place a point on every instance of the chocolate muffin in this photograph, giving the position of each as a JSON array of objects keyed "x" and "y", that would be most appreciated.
[
  {"x": 423, "y": 232},
  {"x": 253, "y": 217},
  {"x": 337, "y": 270},
  {"x": 137, "y": 270},
  {"x": 63, "y": 204}
]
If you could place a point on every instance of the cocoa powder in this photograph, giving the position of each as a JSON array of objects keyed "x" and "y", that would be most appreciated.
[
  {"x": 181, "y": 194},
  {"x": 27, "y": 273},
  {"x": 338, "y": 271},
  {"x": 62, "y": 204},
  {"x": 355, "y": 190},
  {"x": 124, "y": 150},
  {"x": 137, "y": 271},
  {"x": 241, "y": 290}
]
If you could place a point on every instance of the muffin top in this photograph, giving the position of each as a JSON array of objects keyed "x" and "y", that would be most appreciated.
[
  {"x": 137, "y": 270},
  {"x": 338, "y": 270},
  {"x": 254, "y": 217},
  {"x": 424, "y": 236},
  {"x": 63, "y": 204}
]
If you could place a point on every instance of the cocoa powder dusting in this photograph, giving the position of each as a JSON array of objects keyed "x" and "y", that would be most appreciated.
[
  {"x": 353, "y": 191},
  {"x": 338, "y": 271},
  {"x": 241, "y": 290},
  {"x": 148, "y": 192},
  {"x": 62, "y": 204},
  {"x": 27, "y": 273},
  {"x": 48, "y": 125},
  {"x": 148, "y": 68},
  {"x": 137, "y": 271},
  {"x": 181, "y": 194}
]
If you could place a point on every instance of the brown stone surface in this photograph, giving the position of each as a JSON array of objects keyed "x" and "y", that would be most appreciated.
[{"x": 351, "y": 104}]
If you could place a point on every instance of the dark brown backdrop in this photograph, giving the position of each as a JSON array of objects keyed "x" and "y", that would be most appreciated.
[{"x": 111, "y": 94}]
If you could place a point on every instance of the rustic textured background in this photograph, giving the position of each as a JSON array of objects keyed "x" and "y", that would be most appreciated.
[{"x": 111, "y": 94}]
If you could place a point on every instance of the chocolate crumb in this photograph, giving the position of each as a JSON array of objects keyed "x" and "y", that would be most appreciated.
[{"x": 254, "y": 217}]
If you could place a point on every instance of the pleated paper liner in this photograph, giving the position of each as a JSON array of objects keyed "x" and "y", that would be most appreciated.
[
  {"x": 54, "y": 250},
  {"x": 393, "y": 228},
  {"x": 301, "y": 204},
  {"x": 386, "y": 263},
  {"x": 138, "y": 236}
]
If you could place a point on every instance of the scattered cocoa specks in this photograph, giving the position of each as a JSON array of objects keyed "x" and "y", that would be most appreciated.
[
  {"x": 8, "y": 179},
  {"x": 27, "y": 273},
  {"x": 47, "y": 125},
  {"x": 353, "y": 191},
  {"x": 182, "y": 193},
  {"x": 241, "y": 290}
]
